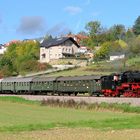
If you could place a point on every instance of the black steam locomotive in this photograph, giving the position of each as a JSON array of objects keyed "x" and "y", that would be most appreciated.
[{"x": 126, "y": 84}]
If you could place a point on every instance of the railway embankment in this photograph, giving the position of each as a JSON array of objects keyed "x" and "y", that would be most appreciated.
[{"x": 121, "y": 100}]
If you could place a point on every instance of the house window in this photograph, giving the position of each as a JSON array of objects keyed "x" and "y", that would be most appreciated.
[
  {"x": 43, "y": 50},
  {"x": 43, "y": 55},
  {"x": 59, "y": 49},
  {"x": 51, "y": 55},
  {"x": 50, "y": 49}
]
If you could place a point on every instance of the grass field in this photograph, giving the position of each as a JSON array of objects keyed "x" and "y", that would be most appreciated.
[{"x": 26, "y": 117}]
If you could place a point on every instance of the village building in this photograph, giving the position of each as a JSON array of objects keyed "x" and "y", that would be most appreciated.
[
  {"x": 2, "y": 48},
  {"x": 58, "y": 48},
  {"x": 78, "y": 38},
  {"x": 117, "y": 56},
  {"x": 82, "y": 49}
]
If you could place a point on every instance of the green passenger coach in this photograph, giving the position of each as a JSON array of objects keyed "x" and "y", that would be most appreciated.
[{"x": 78, "y": 84}]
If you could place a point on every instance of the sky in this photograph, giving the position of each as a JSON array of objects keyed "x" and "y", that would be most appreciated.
[{"x": 28, "y": 19}]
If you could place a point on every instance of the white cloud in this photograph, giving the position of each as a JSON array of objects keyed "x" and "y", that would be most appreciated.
[
  {"x": 58, "y": 30},
  {"x": 73, "y": 10}
]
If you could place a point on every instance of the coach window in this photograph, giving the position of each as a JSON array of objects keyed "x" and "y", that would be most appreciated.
[
  {"x": 84, "y": 83},
  {"x": 87, "y": 82}
]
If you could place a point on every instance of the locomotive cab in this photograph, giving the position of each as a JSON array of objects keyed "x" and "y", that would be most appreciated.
[{"x": 110, "y": 82}]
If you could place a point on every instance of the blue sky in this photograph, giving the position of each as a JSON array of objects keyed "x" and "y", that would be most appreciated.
[{"x": 24, "y": 19}]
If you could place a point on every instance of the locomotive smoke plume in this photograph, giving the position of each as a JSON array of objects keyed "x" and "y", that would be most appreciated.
[
  {"x": 31, "y": 25},
  {"x": 58, "y": 30}
]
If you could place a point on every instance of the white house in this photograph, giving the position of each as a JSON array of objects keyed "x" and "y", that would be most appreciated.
[
  {"x": 58, "y": 48},
  {"x": 116, "y": 56},
  {"x": 2, "y": 49},
  {"x": 82, "y": 49}
]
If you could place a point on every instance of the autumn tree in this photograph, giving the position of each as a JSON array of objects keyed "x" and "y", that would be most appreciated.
[
  {"x": 20, "y": 56},
  {"x": 109, "y": 48}
]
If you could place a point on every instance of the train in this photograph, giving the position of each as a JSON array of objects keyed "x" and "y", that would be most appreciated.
[{"x": 114, "y": 85}]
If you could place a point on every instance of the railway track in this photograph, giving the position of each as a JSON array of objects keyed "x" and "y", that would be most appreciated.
[{"x": 88, "y": 99}]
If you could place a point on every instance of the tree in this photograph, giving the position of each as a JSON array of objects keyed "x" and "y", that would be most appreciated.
[
  {"x": 118, "y": 31},
  {"x": 20, "y": 56},
  {"x": 93, "y": 28},
  {"x": 134, "y": 46},
  {"x": 83, "y": 33},
  {"x": 129, "y": 34},
  {"x": 108, "y": 48},
  {"x": 136, "y": 26},
  {"x": 48, "y": 37}
]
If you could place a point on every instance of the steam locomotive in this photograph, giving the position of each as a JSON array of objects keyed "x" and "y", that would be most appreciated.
[
  {"x": 115, "y": 85},
  {"x": 126, "y": 84}
]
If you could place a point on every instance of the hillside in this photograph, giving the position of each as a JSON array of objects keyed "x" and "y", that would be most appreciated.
[{"x": 102, "y": 68}]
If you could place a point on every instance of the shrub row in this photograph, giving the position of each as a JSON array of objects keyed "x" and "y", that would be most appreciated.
[{"x": 94, "y": 106}]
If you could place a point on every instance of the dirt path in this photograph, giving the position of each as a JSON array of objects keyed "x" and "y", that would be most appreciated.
[{"x": 73, "y": 134}]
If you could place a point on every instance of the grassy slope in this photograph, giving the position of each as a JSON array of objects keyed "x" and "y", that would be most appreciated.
[
  {"x": 79, "y": 71},
  {"x": 102, "y": 68},
  {"x": 17, "y": 116}
]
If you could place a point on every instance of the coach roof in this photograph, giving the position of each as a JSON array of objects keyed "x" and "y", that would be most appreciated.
[
  {"x": 75, "y": 78},
  {"x": 44, "y": 79},
  {"x": 15, "y": 79}
]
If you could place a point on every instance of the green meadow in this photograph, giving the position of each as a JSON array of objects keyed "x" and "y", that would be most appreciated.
[{"x": 17, "y": 114}]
